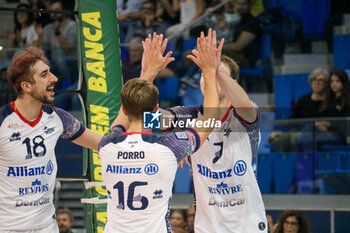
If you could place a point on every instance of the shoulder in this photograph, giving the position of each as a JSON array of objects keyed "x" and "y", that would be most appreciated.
[
  {"x": 48, "y": 109},
  {"x": 306, "y": 97},
  {"x": 48, "y": 27},
  {"x": 5, "y": 111},
  {"x": 71, "y": 24}
]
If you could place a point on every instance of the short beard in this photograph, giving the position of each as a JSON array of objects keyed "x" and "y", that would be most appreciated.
[{"x": 44, "y": 99}]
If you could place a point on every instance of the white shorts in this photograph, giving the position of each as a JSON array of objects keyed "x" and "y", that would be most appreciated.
[{"x": 52, "y": 228}]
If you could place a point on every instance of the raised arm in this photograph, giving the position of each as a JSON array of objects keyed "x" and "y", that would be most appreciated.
[
  {"x": 203, "y": 57},
  {"x": 153, "y": 60},
  {"x": 236, "y": 95}
]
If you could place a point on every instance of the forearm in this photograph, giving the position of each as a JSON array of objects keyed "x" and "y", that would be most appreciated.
[
  {"x": 236, "y": 95},
  {"x": 211, "y": 96},
  {"x": 148, "y": 75}
]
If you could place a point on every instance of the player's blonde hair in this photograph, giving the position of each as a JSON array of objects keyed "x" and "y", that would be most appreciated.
[
  {"x": 232, "y": 65},
  {"x": 137, "y": 96}
]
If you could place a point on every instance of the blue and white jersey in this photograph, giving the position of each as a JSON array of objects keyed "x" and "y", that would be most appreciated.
[
  {"x": 139, "y": 170},
  {"x": 227, "y": 194},
  {"x": 28, "y": 165}
]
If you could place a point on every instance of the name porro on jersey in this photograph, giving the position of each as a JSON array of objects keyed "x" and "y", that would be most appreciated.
[{"x": 191, "y": 123}]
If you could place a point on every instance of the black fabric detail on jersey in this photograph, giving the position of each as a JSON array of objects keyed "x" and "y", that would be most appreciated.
[
  {"x": 48, "y": 109},
  {"x": 5, "y": 111},
  {"x": 151, "y": 138}
]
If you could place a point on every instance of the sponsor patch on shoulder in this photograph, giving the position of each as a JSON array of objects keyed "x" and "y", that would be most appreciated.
[
  {"x": 108, "y": 132},
  {"x": 181, "y": 135}
]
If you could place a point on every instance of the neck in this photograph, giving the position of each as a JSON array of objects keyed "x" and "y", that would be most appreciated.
[
  {"x": 317, "y": 96},
  {"x": 224, "y": 104},
  {"x": 137, "y": 126},
  {"x": 28, "y": 107}
]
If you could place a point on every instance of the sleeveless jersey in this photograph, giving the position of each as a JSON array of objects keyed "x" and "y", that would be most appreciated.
[
  {"x": 228, "y": 198},
  {"x": 28, "y": 165},
  {"x": 139, "y": 170}
]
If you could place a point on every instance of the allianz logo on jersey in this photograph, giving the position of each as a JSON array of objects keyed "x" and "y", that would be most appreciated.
[
  {"x": 224, "y": 189},
  {"x": 149, "y": 169},
  {"x": 36, "y": 187},
  {"x": 153, "y": 120},
  {"x": 239, "y": 169},
  {"x": 41, "y": 201},
  {"x": 31, "y": 171}
]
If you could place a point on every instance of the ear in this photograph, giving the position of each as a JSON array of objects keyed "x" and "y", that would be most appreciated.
[
  {"x": 26, "y": 87},
  {"x": 156, "y": 108},
  {"x": 124, "y": 110}
]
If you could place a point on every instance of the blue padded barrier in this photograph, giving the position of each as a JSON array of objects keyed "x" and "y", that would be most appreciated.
[
  {"x": 265, "y": 172},
  {"x": 69, "y": 159},
  {"x": 328, "y": 162},
  {"x": 284, "y": 172},
  {"x": 304, "y": 173},
  {"x": 183, "y": 180}
]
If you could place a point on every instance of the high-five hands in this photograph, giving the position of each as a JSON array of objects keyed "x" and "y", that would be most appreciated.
[
  {"x": 153, "y": 60},
  {"x": 207, "y": 56}
]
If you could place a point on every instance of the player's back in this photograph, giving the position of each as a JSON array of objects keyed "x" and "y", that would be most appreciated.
[{"x": 139, "y": 170}]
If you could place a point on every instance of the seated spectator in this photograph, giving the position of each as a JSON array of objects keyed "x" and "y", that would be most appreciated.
[
  {"x": 223, "y": 23},
  {"x": 311, "y": 105},
  {"x": 147, "y": 23},
  {"x": 340, "y": 94},
  {"x": 290, "y": 221},
  {"x": 169, "y": 11},
  {"x": 314, "y": 104},
  {"x": 64, "y": 220},
  {"x": 178, "y": 221},
  {"x": 60, "y": 39},
  {"x": 128, "y": 9},
  {"x": 132, "y": 67},
  {"x": 246, "y": 36},
  {"x": 24, "y": 33},
  {"x": 190, "y": 218},
  {"x": 257, "y": 7},
  {"x": 190, "y": 11}
]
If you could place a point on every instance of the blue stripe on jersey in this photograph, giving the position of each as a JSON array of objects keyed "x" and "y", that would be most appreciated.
[
  {"x": 5, "y": 111},
  {"x": 253, "y": 133},
  {"x": 116, "y": 137},
  {"x": 72, "y": 128}
]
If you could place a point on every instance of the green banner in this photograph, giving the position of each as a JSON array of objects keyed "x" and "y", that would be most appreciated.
[{"x": 101, "y": 69}]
